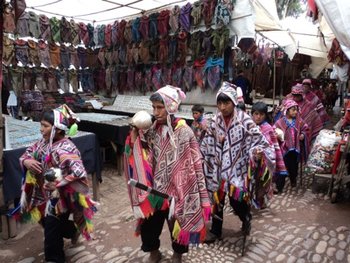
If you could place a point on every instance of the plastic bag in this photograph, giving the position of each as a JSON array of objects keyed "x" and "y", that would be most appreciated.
[{"x": 321, "y": 157}]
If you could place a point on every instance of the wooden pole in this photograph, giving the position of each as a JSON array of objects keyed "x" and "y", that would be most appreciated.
[
  {"x": 274, "y": 77},
  {"x": 4, "y": 222}
]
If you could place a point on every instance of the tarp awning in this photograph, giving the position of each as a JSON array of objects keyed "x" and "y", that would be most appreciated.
[{"x": 99, "y": 11}]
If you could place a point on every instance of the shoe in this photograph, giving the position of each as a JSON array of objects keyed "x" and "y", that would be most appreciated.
[
  {"x": 211, "y": 238},
  {"x": 154, "y": 257},
  {"x": 293, "y": 184},
  {"x": 177, "y": 258},
  {"x": 75, "y": 238}
]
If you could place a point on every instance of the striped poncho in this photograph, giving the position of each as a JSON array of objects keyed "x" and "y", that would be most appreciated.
[
  {"x": 73, "y": 188},
  {"x": 317, "y": 105},
  {"x": 176, "y": 172},
  {"x": 229, "y": 156},
  {"x": 271, "y": 137}
]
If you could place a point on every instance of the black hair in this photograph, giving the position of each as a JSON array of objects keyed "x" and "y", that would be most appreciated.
[
  {"x": 241, "y": 105},
  {"x": 49, "y": 116},
  {"x": 260, "y": 107},
  {"x": 156, "y": 97},
  {"x": 222, "y": 97},
  {"x": 198, "y": 108}
]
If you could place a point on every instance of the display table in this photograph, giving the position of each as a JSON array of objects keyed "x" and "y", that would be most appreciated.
[
  {"x": 21, "y": 134},
  {"x": 128, "y": 104},
  {"x": 109, "y": 129}
]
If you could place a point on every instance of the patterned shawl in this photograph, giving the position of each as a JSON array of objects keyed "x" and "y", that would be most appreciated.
[
  {"x": 271, "y": 137},
  {"x": 311, "y": 117},
  {"x": 73, "y": 188},
  {"x": 228, "y": 161},
  {"x": 317, "y": 105},
  {"x": 292, "y": 131},
  {"x": 177, "y": 172}
]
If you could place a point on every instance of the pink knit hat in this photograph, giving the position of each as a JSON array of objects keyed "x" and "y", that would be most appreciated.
[
  {"x": 288, "y": 104},
  {"x": 307, "y": 81},
  {"x": 298, "y": 89}
]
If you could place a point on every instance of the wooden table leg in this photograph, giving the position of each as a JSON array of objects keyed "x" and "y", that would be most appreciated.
[{"x": 95, "y": 187}]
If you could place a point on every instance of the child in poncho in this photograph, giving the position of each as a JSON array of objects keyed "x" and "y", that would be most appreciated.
[
  {"x": 167, "y": 158},
  {"x": 260, "y": 117},
  {"x": 51, "y": 202},
  {"x": 295, "y": 143},
  {"x": 235, "y": 151}
]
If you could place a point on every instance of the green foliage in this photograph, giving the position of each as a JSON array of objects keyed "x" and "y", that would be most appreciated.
[{"x": 290, "y": 8}]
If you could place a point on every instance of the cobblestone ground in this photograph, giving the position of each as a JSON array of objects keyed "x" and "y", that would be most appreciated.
[{"x": 299, "y": 226}]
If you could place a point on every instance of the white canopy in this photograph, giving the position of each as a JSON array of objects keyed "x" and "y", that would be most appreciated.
[
  {"x": 337, "y": 15},
  {"x": 98, "y": 11}
]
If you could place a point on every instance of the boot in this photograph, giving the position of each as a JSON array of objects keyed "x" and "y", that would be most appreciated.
[
  {"x": 177, "y": 258},
  {"x": 154, "y": 256},
  {"x": 211, "y": 238}
]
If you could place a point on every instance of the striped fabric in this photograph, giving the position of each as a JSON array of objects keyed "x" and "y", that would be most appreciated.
[
  {"x": 73, "y": 188},
  {"x": 271, "y": 137},
  {"x": 179, "y": 173}
]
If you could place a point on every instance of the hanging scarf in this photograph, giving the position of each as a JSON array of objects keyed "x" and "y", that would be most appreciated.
[
  {"x": 185, "y": 17},
  {"x": 174, "y": 18},
  {"x": 214, "y": 68}
]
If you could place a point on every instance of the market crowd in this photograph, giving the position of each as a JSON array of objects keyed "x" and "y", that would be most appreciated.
[{"x": 182, "y": 174}]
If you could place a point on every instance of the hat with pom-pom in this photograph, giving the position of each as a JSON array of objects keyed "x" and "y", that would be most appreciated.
[{"x": 65, "y": 119}]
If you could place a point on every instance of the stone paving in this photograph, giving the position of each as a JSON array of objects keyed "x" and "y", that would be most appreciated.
[{"x": 298, "y": 226}]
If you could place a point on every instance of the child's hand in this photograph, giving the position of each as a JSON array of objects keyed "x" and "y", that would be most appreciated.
[
  {"x": 33, "y": 165},
  {"x": 301, "y": 137}
]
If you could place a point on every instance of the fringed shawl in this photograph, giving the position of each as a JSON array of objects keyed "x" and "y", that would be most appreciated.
[
  {"x": 137, "y": 167},
  {"x": 177, "y": 172},
  {"x": 317, "y": 105},
  {"x": 227, "y": 163},
  {"x": 310, "y": 117},
  {"x": 271, "y": 137},
  {"x": 73, "y": 188}
]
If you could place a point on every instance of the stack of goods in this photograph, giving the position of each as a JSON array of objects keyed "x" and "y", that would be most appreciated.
[{"x": 321, "y": 158}]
